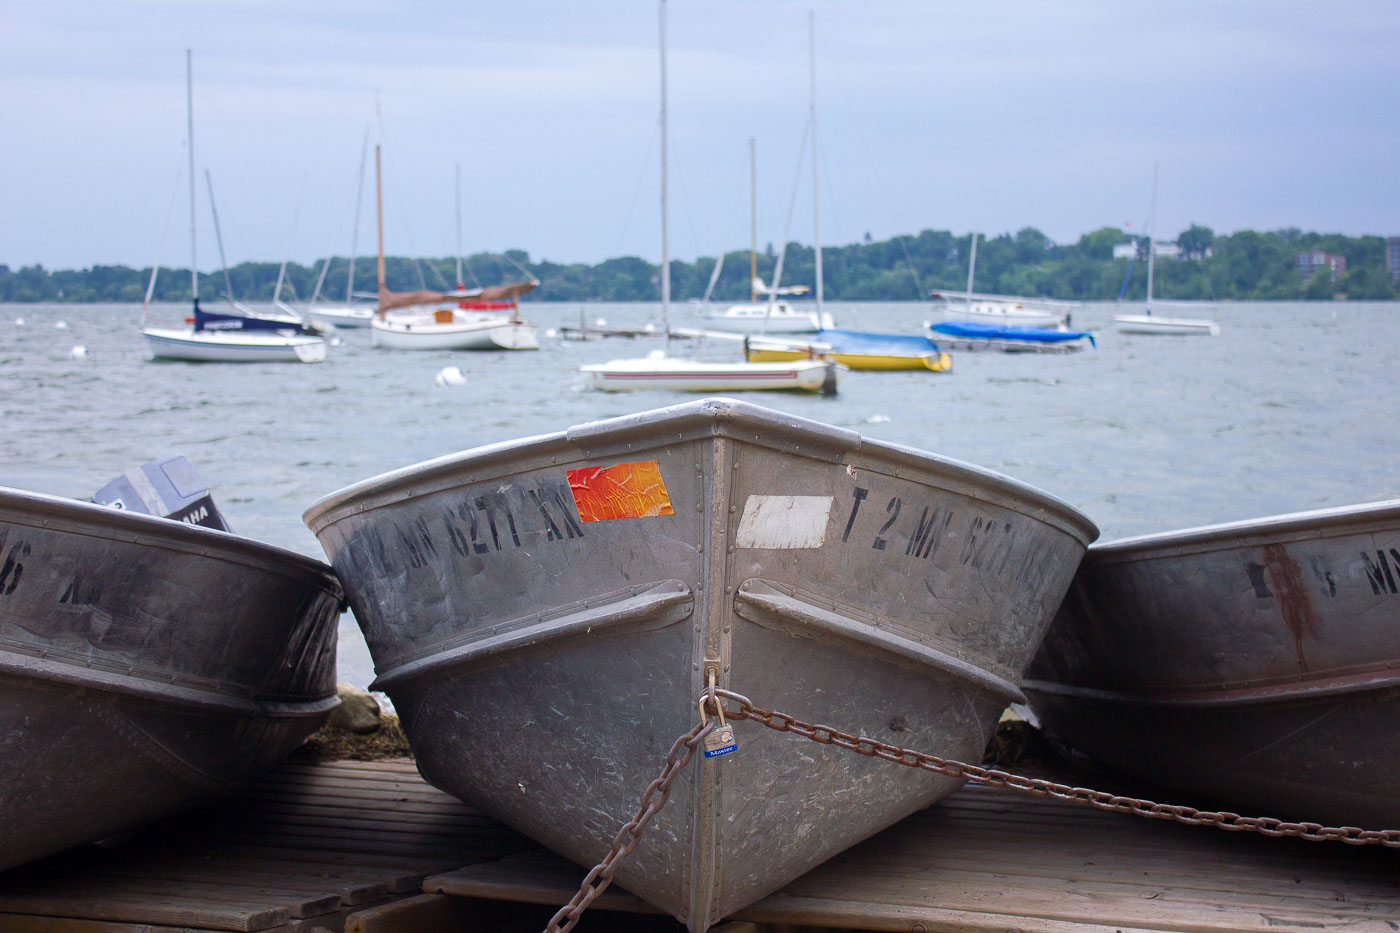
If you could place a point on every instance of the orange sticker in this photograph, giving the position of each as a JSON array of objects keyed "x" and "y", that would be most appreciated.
[{"x": 628, "y": 490}]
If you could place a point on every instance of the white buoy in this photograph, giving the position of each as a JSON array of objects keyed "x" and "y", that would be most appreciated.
[
  {"x": 600, "y": 322},
  {"x": 878, "y": 419},
  {"x": 60, "y": 325},
  {"x": 648, "y": 327},
  {"x": 450, "y": 376},
  {"x": 19, "y": 322},
  {"x": 551, "y": 332},
  {"x": 78, "y": 353}
]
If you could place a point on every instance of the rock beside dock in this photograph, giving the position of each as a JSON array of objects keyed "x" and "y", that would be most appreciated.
[{"x": 357, "y": 730}]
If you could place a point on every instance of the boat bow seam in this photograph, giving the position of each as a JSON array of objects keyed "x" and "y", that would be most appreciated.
[{"x": 765, "y": 603}]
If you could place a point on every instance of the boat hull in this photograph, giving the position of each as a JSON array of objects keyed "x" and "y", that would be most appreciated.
[
  {"x": 1006, "y": 315},
  {"x": 413, "y": 333},
  {"x": 805, "y": 375},
  {"x": 1152, "y": 324},
  {"x": 1256, "y": 664},
  {"x": 544, "y": 615},
  {"x": 966, "y": 335},
  {"x": 232, "y": 346},
  {"x": 146, "y": 666},
  {"x": 757, "y": 319},
  {"x": 871, "y": 362},
  {"x": 341, "y": 317}
]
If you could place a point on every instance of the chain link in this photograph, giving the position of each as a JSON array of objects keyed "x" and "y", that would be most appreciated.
[
  {"x": 1232, "y": 822},
  {"x": 597, "y": 880},
  {"x": 683, "y": 749}
]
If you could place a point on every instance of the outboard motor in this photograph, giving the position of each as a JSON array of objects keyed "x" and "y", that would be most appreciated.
[{"x": 170, "y": 488}]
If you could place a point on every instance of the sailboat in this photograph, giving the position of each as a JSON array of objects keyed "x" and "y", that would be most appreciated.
[
  {"x": 764, "y": 317},
  {"x": 348, "y": 314},
  {"x": 851, "y": 348},
  {"x": 428, "y": 320},
  {"x": 1001, "y": 310},
  {"x": 1147, "y": 322},
  {"x": 219, "y": 337},
  {"x": 659, "y": 370}
]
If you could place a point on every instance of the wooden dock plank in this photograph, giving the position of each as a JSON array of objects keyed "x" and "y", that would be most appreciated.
[
  {"x": 282, "y": 858},
  {"x": 990, "y": 859},
  {"x": 145, "y": 908}
]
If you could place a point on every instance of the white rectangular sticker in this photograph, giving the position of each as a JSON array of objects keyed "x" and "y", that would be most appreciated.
[{"x": 779, "y": 522}]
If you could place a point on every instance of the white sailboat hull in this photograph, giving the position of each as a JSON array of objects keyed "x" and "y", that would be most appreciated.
[
  {"x": 756, "y": 319},
  {"x": 424, "y": 332},
  {"x": 233, "y": 346},
  {"x": 695, "y": 376},
  {"x": 1009, "y": 315},
  {"x": 1152, "y": 324},
  {"x": 342, "y": 316}
]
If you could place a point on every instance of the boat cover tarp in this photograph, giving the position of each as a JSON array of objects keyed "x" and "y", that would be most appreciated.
[
  {"x": 976, "y": 331},
  {"x": 218, "y": 320},
  {"x": 839, "y": 340},
  {"x": 389, "y": 300}
]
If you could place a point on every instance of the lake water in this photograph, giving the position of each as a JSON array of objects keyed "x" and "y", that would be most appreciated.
[{"x": 1292, "y": 407}]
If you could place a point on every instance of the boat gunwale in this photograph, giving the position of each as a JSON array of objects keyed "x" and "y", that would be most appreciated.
[
  {"x": 1314, "y": 524},
  {"x": 88, "y": 519},
  {"x": 54, "y": 668},
  {"x": 690, "y": 421},
  {"x": 1312, "y": 685},
  {"x": 233, "y": 336}
]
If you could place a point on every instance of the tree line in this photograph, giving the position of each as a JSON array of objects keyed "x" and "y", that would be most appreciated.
[{"x": 1241, "y": 266}]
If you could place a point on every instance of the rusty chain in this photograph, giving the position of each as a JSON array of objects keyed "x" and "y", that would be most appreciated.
[
  {"x": 684, "y": 747},
  {"x": 1233, "y": 822},
  {"x": 597, "y": 880}
]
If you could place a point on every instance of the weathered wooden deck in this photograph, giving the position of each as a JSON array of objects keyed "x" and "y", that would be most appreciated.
[
  {"x": 370, "y": 848},
  {"x": 306, "y": 849}
]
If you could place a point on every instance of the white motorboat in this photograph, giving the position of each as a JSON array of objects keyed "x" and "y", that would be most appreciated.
[
  {"x": 659, "y": 371},
  {"x": 1149, "y": 323}
]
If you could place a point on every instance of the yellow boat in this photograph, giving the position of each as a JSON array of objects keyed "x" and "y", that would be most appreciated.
[
  {"x": 934, "y": 361},
  {"x": 855, "y": 349}
]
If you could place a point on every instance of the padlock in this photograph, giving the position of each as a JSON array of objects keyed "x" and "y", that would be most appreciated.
[{"x": 720, "y": 741}]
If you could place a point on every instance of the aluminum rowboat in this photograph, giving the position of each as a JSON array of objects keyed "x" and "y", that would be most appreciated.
[
  {"x": 544, "y": 612},
  {"x": 1256, "y": 663},
  {"x": 146, "y": 665}
]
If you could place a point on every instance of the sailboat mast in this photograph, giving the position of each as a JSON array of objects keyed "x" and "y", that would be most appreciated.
[
  {"x": 971, "y": 267},
  {"x": 355, "y": 231},
  {"x": 219, "y": 236},
  {"x": 816, "y": 220},
  {"x": 460, "y": 283},
  {"x": 665, "y": 243},
  {"x": 1151, "y": 232},
  {"x": 753, "y": 220},
  {"x": 189, "y": 108},
  {"x": 291, "y": 234},
  {"x": 379, "y": 217}
]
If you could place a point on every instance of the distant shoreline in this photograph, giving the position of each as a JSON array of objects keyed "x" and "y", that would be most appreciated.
[{"x": 1282, "y": 265}]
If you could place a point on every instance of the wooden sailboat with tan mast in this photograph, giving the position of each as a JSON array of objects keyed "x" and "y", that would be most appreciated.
[{"x": 428, "y": 320}]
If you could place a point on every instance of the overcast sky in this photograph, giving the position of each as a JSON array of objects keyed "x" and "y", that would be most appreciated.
[{"x": 996, "y": 115}]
